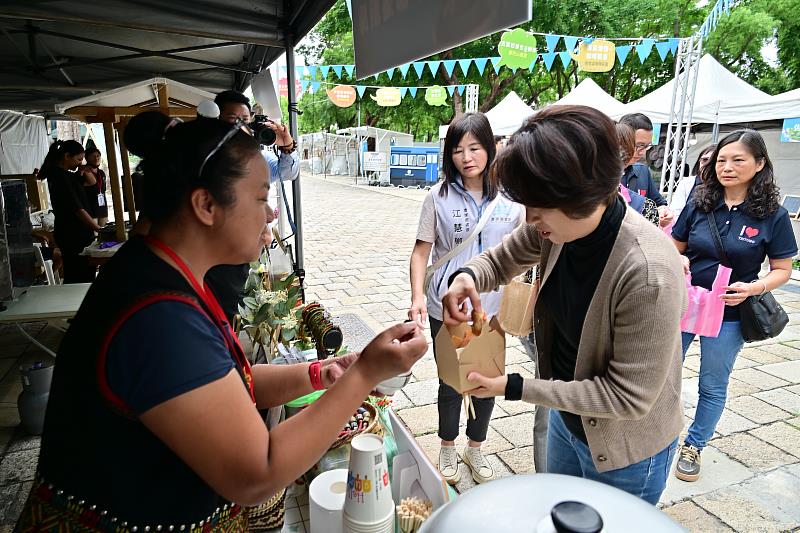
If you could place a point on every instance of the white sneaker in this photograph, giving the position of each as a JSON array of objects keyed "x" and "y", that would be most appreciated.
[
  {"x": 481, "y": 469},
  {"x": 448, "y": 464}
]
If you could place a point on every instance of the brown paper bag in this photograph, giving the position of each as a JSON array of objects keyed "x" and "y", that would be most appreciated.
[
  {"x": 516, "y": 307},
  {"x": 485, "y": 353}
]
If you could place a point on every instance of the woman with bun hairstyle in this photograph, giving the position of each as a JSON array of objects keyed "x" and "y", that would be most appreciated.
[
  {"x": 74, "y": 225},
  {"x": 153, "y": 423}
]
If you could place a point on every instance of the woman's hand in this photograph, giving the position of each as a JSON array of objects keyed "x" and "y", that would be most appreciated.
[
  {"x": 487, "y": 387},
  {"x": 739, "y": 291},
  {"x": 454, "y": 301},
  {"x": 418, "y": 312},
  {"x": 665, "y": 215},
  {"x": 394, "y": 351},
  {"x": 685, "y": 263},
  {"x": 333, "y": 368}
]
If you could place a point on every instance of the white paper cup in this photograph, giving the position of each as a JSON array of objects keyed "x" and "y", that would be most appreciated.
[
  {"x": 326, "y": 501},
  {"x": 369, "y": 493},
  {"x": 381, "y": 526}
]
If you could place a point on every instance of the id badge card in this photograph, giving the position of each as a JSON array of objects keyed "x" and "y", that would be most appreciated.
[{"x": 101, "y": 199}]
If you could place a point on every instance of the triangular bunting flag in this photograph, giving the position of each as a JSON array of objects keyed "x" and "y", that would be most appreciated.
[
  {"x": 533, "y": 64},
  {"x": 349, "y": 69},
  {"x": 480, "y": 63},
  {"x": 643, "y": 50},
  {"x": 403, "y": 91},
  {"x": 622, "y": 53},
  {"x": 496, "y": 64},
  {"x": 548, "y": 58},
  {"x": 451, "y": 89},
  {"x": 303, "y": 86},
  {"x": 360, "y": 90},
  {"x": 663, "y": 49},
  {"x": 673, "y": 46},
  {"x": 552, "y": 41},
  {"x": 449, "y": 66},
  {"x": 413, "y": 91},
  {"x": 566, "y": 59},
  {"x": 315, "y": 86},
  {"x": 514, "y": 70},
  {"x": 570, "y": 42},
  {"x": 461, "y": 89},
  {"x": 588, "y": 40},
  {"x": 433, "y": 66},
  {"x": 301, "y": 71},
  {"x": 312, "y": 71},
  {"x": 390, "y": 73},
  {"x": 404, "y": 69},
  {"x": 337, "y": 69},
  {"x": 419, "y": 66},
  {"x": 464, "y": 64},
  {"x": 324, "y": 70}
]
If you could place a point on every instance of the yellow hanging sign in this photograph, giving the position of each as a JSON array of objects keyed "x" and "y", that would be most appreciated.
[
  {"x": 598, "y": 56},
  {"x": 387, "y": 96}
]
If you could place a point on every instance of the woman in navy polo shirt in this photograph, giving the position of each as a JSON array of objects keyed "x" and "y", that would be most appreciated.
[{"x": 739, "y": 188}]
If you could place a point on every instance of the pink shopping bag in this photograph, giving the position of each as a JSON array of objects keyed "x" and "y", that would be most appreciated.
[{"x": 704, "y": 314}]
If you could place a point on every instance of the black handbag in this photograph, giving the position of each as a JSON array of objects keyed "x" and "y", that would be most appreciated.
[{"x": 760, "y": 317}]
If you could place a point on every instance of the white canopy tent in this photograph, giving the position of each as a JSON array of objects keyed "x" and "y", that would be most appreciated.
[
  {"x": 721, "y": 98},
  {"x": 505, "y": 118},
  {"x": 590, "y": 94}
]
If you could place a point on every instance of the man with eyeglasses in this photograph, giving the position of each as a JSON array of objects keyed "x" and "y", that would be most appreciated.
[
  {"x": 637, "y": 176},
  {"x": 227, "y": 281}
]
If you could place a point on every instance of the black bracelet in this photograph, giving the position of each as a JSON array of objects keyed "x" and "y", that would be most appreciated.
[
  {"x": 462, "y": 270},
  {"x": 514, "y": 387}
]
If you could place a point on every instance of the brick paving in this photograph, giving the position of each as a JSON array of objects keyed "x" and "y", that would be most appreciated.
[{"x": 357, "y": 246}]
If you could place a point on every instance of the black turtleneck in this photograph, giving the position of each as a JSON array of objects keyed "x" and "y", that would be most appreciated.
[{"x": 568, "y": 293}]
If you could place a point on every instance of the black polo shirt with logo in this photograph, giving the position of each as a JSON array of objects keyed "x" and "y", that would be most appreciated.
[{"x": 747, "y": 241}]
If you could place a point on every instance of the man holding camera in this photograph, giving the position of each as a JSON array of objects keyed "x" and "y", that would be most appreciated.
[{"x": 227, "y": 281}]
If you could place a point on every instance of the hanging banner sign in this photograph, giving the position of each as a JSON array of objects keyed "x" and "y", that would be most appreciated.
[
  {"x": 342, "y": 95},
  {"x": 599, "y": 56},
  {"x": 436, "y": 95},
  {"x": 387, "y": 96},
  {"x": 517, "y": 49},
  {"x": 790, "y": 132}
]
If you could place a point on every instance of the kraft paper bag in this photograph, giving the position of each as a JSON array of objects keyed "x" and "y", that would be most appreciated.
[
  {"x": 516, "y": 306},
  {"x": 485, "y": 353}
]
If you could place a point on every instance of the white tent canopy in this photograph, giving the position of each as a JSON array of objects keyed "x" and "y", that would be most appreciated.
[
  {"x": 507, "y": 116},
  {"x": 590, "y": 94},
  {"x": 140, "y": 93},
  {"x": 23, "y": 142},
  {"x": 721, "y": 98}
]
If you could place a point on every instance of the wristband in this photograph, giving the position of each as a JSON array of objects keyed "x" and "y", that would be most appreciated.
[
  {"x": 289, "y": 148},
  {"x": 513, "y": 387},
  {"x": 315, "y": 375}
]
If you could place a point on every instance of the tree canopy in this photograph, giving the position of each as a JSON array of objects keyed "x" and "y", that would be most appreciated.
[{"x": 736, "y": 43}]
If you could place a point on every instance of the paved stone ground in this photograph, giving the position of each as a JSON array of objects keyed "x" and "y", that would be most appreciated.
[{"x": 358, "y": 241}]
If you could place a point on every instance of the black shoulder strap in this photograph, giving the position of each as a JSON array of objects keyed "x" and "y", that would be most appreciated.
[{"x": 712, "y": 225}]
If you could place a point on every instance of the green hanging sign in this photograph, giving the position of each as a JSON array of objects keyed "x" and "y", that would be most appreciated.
[
  {"x": 436, "y": 95},
  {"x": 517, "y": 49}
]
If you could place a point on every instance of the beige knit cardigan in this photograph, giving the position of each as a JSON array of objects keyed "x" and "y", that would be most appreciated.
[{"x": 627, "y": 387}]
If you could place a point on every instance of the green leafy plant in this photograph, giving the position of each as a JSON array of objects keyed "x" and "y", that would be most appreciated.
[{"x": 272, "y": 309}]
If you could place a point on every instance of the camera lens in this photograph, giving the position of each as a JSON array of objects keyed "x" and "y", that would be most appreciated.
[{"x": 265, "y": 135}]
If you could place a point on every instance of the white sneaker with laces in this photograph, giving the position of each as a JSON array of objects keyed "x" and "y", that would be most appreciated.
[
  {"x": 481, "y": 469},
  {"x": 448, "y": 464}
]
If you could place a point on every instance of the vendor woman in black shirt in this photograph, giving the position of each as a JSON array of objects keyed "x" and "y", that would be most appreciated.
[{"x": 74, "y": 225}]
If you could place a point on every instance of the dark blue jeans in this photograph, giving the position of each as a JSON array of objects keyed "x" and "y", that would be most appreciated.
[{"x": 568, "y": 455}]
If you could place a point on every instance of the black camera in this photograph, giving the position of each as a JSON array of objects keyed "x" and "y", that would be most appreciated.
[{"x": 262, "y": 131}]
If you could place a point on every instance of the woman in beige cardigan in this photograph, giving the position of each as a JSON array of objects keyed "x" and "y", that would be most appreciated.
[{"x": 608, "y": 312}]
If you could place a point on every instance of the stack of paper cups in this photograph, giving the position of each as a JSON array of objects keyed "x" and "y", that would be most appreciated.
[
  {"x": 326, "y": 501},
  {"x": 368, "y": 505}
]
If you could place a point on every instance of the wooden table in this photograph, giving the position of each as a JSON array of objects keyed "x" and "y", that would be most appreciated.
[{"x": 53, "y": 303}]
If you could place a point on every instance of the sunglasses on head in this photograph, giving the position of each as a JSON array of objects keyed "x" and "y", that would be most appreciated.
[{"x": 239, "y": 125}]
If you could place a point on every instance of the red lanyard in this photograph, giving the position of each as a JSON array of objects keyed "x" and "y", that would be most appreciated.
[{"x": 218, "y": 314}]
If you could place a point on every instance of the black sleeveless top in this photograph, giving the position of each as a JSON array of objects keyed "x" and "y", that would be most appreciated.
[{"x": 93, "y": 448}]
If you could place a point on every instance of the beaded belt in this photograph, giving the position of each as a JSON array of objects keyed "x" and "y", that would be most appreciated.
[{"x": 51, "y": 510}]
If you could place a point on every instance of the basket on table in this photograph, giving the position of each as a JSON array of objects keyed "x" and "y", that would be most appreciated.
[{"x": 372, "y": 427}]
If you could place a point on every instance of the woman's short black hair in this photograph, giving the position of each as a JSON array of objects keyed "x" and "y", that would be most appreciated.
[
  {"x": 563, "y": 157},
  {"x": 763, "y": 194},
  {"x": 172, "y": 155},
  {"x": 478, "y": 125}
]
